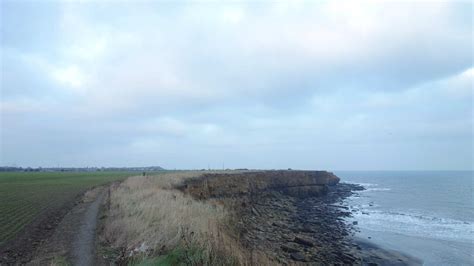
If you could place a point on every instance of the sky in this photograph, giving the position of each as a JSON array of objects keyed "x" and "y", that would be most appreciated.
[{"x": 335, "y": 85}]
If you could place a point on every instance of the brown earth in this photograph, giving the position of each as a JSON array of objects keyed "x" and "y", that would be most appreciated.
[
  {"x": 62, "y": 236},
  {"x": 20, "y": 250},
  {"x": 73, "y": 240}
]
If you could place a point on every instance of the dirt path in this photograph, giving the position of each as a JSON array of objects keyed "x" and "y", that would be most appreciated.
[
  {"x": 74, "y": 239},
  {"x": 83, "y": 246}
]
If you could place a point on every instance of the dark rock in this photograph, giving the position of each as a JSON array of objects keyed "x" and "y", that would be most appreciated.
[
  {"x": 304, "y": 241},
  {"x": 279, "y": 224},
  {"x": 298, "y": 256},
  {"x": 254, "y": 211},
  {"x": 289, "y": 248},
  {"x": 347, "y": 258},
  {"x": 308, "y": 229},
  {"x": 306, "y": 191}
]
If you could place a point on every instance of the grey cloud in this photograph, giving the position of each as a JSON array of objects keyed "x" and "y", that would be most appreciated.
[{"x": 262, "y": 86}]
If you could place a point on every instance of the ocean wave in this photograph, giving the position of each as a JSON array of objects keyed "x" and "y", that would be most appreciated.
[
  {"x": 415, "y": 224},
  {"x": 376, "y": 189},
  {"x": 365, "y": 185},
  {"x": 370, "y": 187}
]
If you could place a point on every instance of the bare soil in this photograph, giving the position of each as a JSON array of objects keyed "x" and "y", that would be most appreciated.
[
  {"x": 73, "y": 240},
  {"x": 20, "y": 250}
]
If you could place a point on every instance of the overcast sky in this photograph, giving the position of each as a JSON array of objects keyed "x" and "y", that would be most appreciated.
[{"x": 334, "y": 85}]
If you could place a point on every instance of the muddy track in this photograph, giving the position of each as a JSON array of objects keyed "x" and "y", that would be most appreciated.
[
  {"x": 83, "y": 246},
  {"x": 73, "y": 241}
]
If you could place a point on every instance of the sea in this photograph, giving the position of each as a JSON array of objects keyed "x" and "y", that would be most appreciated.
[{"x": 426, "y": 214}]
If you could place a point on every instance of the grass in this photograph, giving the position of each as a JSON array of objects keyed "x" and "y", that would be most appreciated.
[
  {"x": 59, "y": 261},
  {"x": 147, "y": 209},
  {"x": 25, "y": 196},
  {"x": 175, "y": 228},
  {"x": 177, "y": 256}
]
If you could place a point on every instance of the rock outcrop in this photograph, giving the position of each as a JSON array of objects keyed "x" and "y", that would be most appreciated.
[{"x": 300, "y": 184}]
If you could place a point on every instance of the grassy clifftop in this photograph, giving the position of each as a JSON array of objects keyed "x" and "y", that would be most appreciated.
[{"x": 191, "y": 217}]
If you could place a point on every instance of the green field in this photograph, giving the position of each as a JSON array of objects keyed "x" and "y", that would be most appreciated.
[{"x": 24, "y": 196}]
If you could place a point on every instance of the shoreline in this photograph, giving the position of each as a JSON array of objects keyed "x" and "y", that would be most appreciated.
[
  {"x": 381, "y": 256},
  {"x": 296, "y": 228},
  {"x": 373, "y": 252},
  {"x": 450, "y": 252},
  {"x": 408, "y": 212}
]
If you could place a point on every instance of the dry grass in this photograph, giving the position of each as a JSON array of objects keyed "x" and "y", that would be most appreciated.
[{"x": 148, "y": 210}]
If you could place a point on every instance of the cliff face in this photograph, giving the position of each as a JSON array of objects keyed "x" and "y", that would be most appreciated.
[{"x": 294, "y": 183}]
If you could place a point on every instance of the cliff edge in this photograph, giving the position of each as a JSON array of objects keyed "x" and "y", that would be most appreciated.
[{"x": 293, "y": 183}]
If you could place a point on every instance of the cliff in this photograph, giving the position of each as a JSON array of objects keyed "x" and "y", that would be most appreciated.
[
  {"x": 292, "y": 217},
  {"x": 294, "y": 183}
]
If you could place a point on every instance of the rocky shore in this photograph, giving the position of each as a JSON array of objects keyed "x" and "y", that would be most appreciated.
[{"x": 294, "y": 217}]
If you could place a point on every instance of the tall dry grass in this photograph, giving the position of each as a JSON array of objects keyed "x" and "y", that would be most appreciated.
[{"x": 146, "y": 211}]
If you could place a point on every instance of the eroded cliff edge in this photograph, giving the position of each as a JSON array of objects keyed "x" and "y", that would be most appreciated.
[
  {"x": 300, "y": 184},
  {"x": 293, "y": 217}
]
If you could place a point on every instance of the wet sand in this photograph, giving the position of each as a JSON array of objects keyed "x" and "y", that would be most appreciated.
[{"x": 371, "y": 253}]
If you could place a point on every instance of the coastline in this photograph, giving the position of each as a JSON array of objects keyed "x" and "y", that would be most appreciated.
[
  {"x": 266, "y": 218},
  {"x": 408, "y": 212},
  {"x": 430, "y": 251},
  {"x": 295, "y": 228},
  {"x": 372, "y": 253}
]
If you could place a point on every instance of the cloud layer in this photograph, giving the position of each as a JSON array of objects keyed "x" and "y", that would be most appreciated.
[{"x": 334, "y": 85}]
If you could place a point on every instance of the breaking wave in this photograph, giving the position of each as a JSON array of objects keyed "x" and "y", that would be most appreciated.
[
  {"x": 414, "y": 224},
  {"x": 370, "y": 187}
]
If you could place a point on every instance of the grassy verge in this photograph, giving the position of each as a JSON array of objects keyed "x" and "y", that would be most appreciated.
[
  {"x": 182, "y": 256},
  {"x": 155, "y": 224}
]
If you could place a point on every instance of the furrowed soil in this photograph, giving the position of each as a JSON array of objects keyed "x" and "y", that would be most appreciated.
[
  {"x": 20, "y": 250},
  {"x": 32, "y": 205},
  {"x": 73, "y": 241}
]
